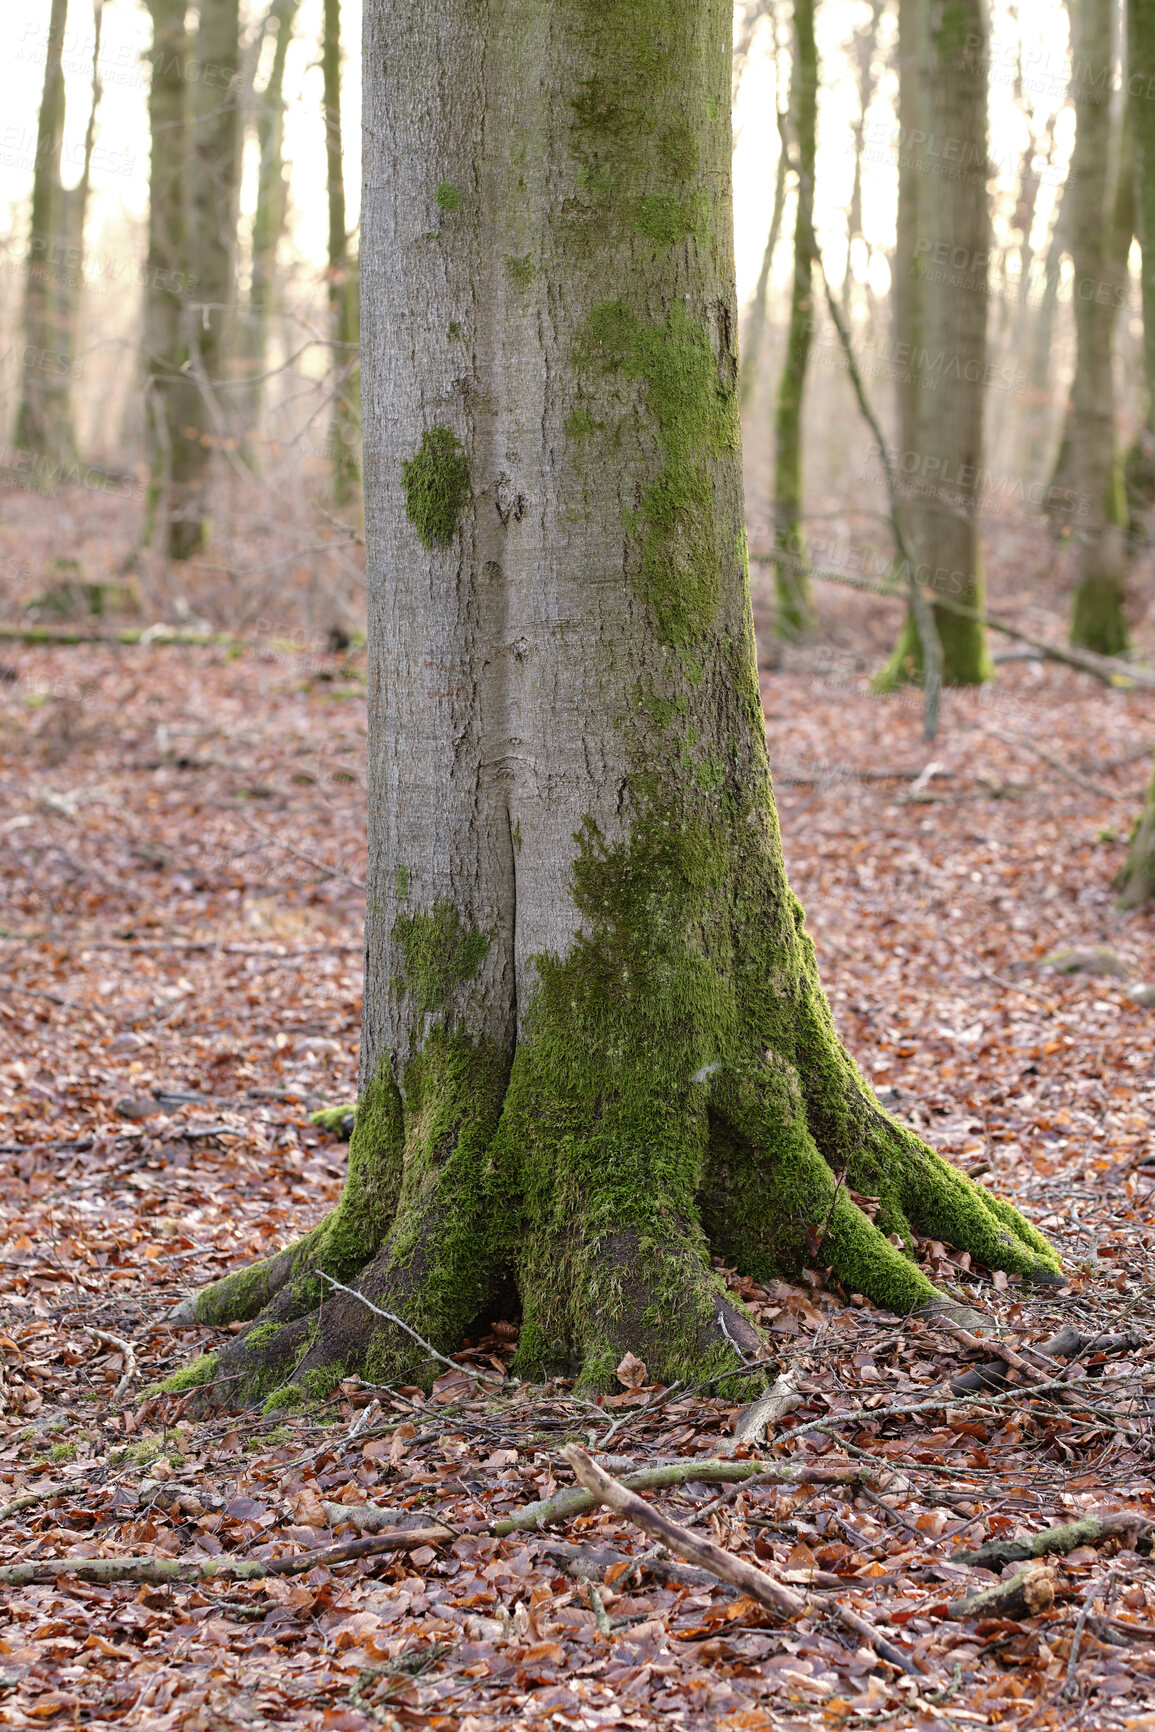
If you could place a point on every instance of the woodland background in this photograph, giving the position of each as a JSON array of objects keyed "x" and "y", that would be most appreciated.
[{"x": 182, "y": 841}]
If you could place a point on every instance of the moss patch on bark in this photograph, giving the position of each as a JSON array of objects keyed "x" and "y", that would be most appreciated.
[{"x": 436, "y": 482}]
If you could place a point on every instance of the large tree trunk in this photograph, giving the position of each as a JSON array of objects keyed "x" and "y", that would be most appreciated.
[
  {"x": 943, "y": 243},
  {"x": 43, "y": 420},
  {"x": 344, "y": 311},
  {"x": 1097, "y": 621},
  {"x": 198, "y": 423},
  {"x": 595, "y": 1046},
  {"x": 794, "y": 604}
]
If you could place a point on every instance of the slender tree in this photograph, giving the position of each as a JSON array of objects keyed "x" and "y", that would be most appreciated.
[
  {"x": 1097, "y": 621},
  {"x": 271, "y": 213},
  {"x": 595, "y": 1046},
  {"x": 198, "y": 423},
  {"x": 43, "y": 422},
  {"x": 165, "y": 347},
  {"x": 794, "y": 604},
  {"x": 941, "y": 321},
  {"x": 344, "y": 311},
  {"x": 1137, "y": 881}
]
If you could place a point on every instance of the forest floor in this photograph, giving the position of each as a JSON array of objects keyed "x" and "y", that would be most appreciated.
[{"x": 181, "y": 843}]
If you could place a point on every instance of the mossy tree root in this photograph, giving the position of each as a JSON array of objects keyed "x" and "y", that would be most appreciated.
[{"x": 473, "y": 1202}]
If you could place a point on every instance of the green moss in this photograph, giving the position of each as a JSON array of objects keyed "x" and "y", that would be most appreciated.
[
  {"x": 448, "y": 197},
  {"x": 1097, "y": 619},
  {"x": 262, "y": 1335},
  {"x": 401, "y": 882},
  {"x": 191, "y": 1376},
  {"x": 290, "y": 1395},
  {"x": 440, "y": 953},
  {"x": 322, "y": 1381},
  {"x": 520, "y": 272},
  {"x": 694, "y": 412},
  {"x": 338, "y": 1119},
  {"x": 64, "y": 1452},
  {"x": 666, "y": 219},
  {"x": 579, "y": 424},
  {"x": 436, "y": 482}
]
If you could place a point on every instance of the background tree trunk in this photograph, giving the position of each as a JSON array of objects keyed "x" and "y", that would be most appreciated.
[
  {"x": 43, "y": 421},
  {"x": 166, "y": 281},
  {"x": 1137, "y": 881},
  {"x": 594, "y": 1045},
  {"x": 198, "y": 424},
  {"x": 794, "y": 609},
  {"x": 270, "y": 216},
  {"x": 944, "y": 222},
  {"x": 1097, "y": 621},
  {"x": 344, "y": 309}
]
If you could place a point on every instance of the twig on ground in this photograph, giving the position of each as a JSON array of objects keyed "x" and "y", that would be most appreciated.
[
  {"x": 390, "y": 1317},
  {"x": 122, "y": 1346},
  {"x": 158, "y": 1569},
  {"x": 564, "y": 1505},
  {"x": 299, "y": 854},
  {"x": 752, "y": 1581},
  {"x": 1079, "y": 780},
  {"x": 1093, "y": 1588},
  {"x": 1090, "y": 1530}
]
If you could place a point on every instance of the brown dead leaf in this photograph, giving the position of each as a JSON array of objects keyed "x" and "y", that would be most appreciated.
[{"x": 631, "y": 1372}]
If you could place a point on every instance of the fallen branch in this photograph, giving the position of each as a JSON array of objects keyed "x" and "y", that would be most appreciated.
[
  {"x": 157, "y": 1569},
  {"x": 1109, "y": 669},
  {"x": 754, "y": 1422},
  {"x": 299, "y": 854},
  {"x": 706, "y": 1555},
  {"x": 1029, "y": 1591},
  {"x": 1089, "y": 1530},
  {"x": 566, "y": 1504}
]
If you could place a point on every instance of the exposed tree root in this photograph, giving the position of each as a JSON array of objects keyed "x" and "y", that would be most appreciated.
[{"x": 484, "y": 1185}]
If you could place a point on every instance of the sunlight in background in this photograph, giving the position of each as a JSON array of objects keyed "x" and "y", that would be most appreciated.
[{"x": 120, "y": 170}]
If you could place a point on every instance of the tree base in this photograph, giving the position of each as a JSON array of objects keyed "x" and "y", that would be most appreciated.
[
  {"x": 429, "y": 1234},
  {"x": 965, "y": 658}
]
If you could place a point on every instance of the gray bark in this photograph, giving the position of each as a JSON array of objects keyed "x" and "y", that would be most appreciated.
[{"x": 42, "y": 420}]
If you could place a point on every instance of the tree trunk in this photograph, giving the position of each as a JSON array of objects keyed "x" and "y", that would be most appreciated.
[
  {"x": 1097, "y": 621},
  {"x": 344, "y": 311},
  {"x": 198, "y": 424},
  {"x": 595, "y": 1047},
  {"x": 166, "y": 282},
  {"x": 794, "y": 603},
  {"x": 270, "y": 215},
  {"x": 943, "y": 243},
  {"x": 1141, "y": 87},
  {"x": 1136, "y": 882},
  {"x": 756, "y": 317},
  {"x": 43, "y": 421}
]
